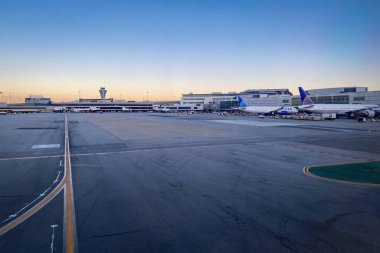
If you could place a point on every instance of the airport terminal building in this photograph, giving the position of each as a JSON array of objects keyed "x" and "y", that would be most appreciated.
[
  {"x": 215, "y": 101},
  {"x": 226, "y": 101},
  {"x": 341, "y": 95},
  {"x": 102, "y": 104},
  {"x": 281, "y": 97},
  {"x": 37, "y": 100}
]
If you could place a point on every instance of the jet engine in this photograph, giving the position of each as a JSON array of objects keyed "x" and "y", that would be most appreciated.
[
  {"x": 367, "y": 113},
  {"x": 370, "y": 114}
]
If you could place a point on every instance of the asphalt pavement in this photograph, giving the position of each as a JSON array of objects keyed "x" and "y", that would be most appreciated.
[
  {"x": 28, "y": 171},
  {"x": 190, "y": 183}
]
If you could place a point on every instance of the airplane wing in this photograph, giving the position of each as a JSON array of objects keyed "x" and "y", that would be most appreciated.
[
  {"x": 303, "y": 106},
  {"x": 275, "y": 109},
  {"x": 267, "y": 110}
]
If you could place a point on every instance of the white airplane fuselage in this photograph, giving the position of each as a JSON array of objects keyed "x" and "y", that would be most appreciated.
[
  {"x": 286, "y": 110},
  {"x": 339, "y": 109},
  {"x": 261, "y": 109}
]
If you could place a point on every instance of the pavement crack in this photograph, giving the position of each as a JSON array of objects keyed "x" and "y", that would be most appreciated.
[
  {"x": 127, "y": 232},
  {"x": 331, "y": 245},
  {"x": 329, "y": 222},
  {"x": 122, "y": 233}
]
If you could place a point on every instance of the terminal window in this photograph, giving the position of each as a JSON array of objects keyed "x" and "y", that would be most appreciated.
[
  {"x": 322, "y": 100},
  {"x": 340, "y": 99},
  {"x": 350, "y": 89},
  {"x": 359, "y": 98}
]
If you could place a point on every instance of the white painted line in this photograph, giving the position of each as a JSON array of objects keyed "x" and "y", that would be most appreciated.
[
  {"x": 30, "y": 212},
  {"x": 52, "y": 238},
  {"x": 56, "y": 180},
  {"x": 29, "y": 157},
  {"x": 42, "y": 146},
  {"x": 12, "y": 216},
  {"x": 255, "y": 123}
]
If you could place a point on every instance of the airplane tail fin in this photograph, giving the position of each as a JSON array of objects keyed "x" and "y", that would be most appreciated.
[
  {"x": 305, "y": 99},
  {"x": 242, "y": 103}
]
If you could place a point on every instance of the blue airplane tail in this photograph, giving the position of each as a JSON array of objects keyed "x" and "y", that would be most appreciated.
[
  {"x": 242, "y": 103},
  {"x": 305, "y": 99}
]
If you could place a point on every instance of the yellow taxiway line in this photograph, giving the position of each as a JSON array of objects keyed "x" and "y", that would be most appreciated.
[
  {"x": 33, "y": 210},
  {"x": 69, "y": 199}
]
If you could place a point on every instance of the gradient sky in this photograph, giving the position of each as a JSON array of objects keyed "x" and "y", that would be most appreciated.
[{"x": 58, "y": 48}]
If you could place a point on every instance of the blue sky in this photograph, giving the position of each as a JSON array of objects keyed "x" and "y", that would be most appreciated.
[{"x": 58, "y": 48}]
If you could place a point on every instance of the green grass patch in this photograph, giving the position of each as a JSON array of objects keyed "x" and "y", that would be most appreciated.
[{"x": 368, "y": 172}]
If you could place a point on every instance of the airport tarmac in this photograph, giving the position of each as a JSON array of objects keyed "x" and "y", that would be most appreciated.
[{"x": 151, "y": 182}]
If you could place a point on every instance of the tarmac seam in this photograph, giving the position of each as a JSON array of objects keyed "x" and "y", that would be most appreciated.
[{"x": 158, "y": 148}]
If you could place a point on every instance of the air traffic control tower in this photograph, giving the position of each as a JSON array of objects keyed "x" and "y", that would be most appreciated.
[{"x": 103, "y": 93}]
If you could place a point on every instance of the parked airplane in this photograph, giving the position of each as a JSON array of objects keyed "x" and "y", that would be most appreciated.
[
  {"x": 80, "y": 109},
  {"x": 265, "y": 109},
  {"x": 160, "y": 108},
  {"x": 165, "y": 110},
  {"x": 286, "y": 110},
  {"x": 338, "y": 109},
  {"x": 59, "y": 109}
]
